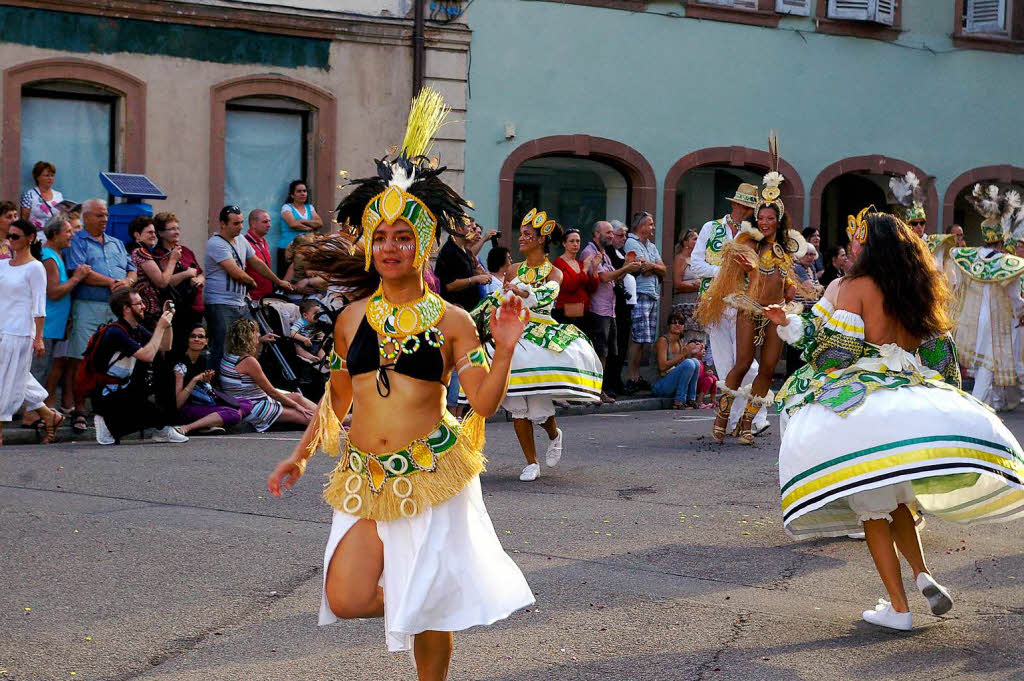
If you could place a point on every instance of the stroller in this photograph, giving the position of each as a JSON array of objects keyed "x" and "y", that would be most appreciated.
[{"x": 276, "y": 315}]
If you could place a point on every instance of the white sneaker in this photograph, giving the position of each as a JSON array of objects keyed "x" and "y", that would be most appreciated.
[
  {"x": 938, "y": 597},
  {"x": 103, "y": 435},
  {"x": 554, "y": 454},
  {"x": 169, "y": 434},
  {"x": 530, "y": 473},
  {"x": 857, "y": 535},
  {"x": 884, "y": 616}
]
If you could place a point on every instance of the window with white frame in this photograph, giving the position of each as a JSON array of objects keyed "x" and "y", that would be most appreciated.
[
  {"x": 987, "y": 17},
  {"x": 799, "y": 7},
  {"x": 878, "y": 11}
]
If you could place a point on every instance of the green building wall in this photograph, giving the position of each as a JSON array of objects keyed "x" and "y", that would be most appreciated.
[{"x": 668, "y": 85}]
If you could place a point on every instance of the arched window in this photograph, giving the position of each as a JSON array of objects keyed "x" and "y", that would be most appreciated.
[
  {"x": 696, "y": 186},
  {"x": 266, "y": 131},
  {"x": 577, "y": 178},
  {"x": 82, "y": 116},
  {"x": 844, "y": 187}
]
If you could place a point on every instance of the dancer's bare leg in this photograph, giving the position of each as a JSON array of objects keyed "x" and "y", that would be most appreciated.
[
  {"x": 549, "y": 426},
  {"x": 352, "y": 575},
  {"x": 880, "y": 542},
  {"x": 433, "y": 653},
  {"x": 744, "y": 351},
  {"x": 904, "y": 531},
  {"x": 524, "y": 431}
]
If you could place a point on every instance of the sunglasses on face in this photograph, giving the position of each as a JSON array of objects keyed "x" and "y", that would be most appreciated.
[
  {"x": 14, "y": 237},
  {"x": 198, "y": 336}
]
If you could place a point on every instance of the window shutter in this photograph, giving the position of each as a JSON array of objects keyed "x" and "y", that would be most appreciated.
[
  {"x": 739, "y": 4},
  {"x": 885, "y": 12},
  {"x": 986, "y": 16},
  {"x": 857, "y": 10},
  {"x": 801, "y": 7}
]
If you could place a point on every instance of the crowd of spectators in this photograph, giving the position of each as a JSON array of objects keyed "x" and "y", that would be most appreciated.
[{"x": 141, "y": 333}]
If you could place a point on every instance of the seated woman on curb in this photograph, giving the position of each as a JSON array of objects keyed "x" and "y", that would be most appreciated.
[
  {"x": 679, "y": 370},
  {"x": 195, "y": 398},
  {"x": 242, "y": 377}
]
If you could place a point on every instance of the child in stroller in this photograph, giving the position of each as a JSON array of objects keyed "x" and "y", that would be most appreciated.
[{"x": 309, "y": 346}]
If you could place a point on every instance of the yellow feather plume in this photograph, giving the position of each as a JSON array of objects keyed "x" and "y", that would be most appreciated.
[{"x": 427, "y": 114}]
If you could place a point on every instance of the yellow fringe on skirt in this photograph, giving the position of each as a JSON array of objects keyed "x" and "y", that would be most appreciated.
[{"x": 402, "y": 484}]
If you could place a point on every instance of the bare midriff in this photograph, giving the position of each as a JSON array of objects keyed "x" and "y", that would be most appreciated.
[{"x": 411, "y": 410}]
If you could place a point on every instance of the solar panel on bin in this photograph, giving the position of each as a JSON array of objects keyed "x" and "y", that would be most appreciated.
[{"x": 131, "y": 185}]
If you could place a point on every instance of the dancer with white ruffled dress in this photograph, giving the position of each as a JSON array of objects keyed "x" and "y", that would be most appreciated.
[
  {"x": 875, "y": 427},
  {"x": 552, "y": 361}
]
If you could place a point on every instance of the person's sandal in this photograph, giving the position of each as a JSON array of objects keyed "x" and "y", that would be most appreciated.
[
  {"x": 78, "y": 423},
  {"x": 55, "y": 422}
]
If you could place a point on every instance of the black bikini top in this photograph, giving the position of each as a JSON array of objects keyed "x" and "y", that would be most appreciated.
[{"x": 425, "y": 363}]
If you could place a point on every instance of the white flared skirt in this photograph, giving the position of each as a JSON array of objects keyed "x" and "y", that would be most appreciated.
[
  {"x": 444, "y": 570},
  {"x": 963, "y": 463},
  {"x": 17, "y": 385},
  {"x": 573, "y": 375}
]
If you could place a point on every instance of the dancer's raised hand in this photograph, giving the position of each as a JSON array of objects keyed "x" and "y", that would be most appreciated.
[
  {"x": 507, "y": 322},
  {"x": 776, "y": 315}
]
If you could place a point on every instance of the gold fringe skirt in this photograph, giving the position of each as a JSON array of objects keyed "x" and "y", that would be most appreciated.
[{"x": 400, "y": 484}]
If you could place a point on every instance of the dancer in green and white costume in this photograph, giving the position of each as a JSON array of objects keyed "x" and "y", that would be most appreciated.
[
  {"x": 990, "y": 303},
  {"x": 705, "y": 263},
  {"x": 875, "y": 429},
  {"x": 552, "y": 361}
]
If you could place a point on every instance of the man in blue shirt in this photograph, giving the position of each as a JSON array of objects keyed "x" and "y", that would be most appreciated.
[
  {"x": 112, "y": 270},
  {"x": 644, "y": 320}
]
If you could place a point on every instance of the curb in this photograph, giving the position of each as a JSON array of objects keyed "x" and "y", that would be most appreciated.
[{"x": 15, "y": 435}]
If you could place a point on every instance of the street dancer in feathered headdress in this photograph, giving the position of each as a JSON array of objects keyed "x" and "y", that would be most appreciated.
[
  {"x": 409, "y": 540},
  {"x": 755, "y": 274},
  {"x": 990, "y": 306}
]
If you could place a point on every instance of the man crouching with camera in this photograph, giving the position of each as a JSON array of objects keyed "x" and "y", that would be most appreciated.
[{"x": 121, "y": 394}]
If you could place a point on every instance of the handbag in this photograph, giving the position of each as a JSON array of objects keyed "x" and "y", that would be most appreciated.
[{"x": 574, "y": 310}]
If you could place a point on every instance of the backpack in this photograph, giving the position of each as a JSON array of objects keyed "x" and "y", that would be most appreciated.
[{"x": 89, "y": 378}]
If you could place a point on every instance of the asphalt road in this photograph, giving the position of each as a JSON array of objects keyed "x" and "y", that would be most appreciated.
[{"x": 654, "y": 554}]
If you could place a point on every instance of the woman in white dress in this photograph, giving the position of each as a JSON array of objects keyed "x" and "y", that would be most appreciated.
[
  {"x": 552, "y": 361},
  {"x": 22, "y": 315},
  {"x": 876, "y": 429},
  {"x": 410, "y": 539}
]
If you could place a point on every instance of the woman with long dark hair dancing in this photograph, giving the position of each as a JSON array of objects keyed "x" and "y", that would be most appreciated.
[
  {"x": 876, "y": 429},
  {"x": 410, "y": 539}
]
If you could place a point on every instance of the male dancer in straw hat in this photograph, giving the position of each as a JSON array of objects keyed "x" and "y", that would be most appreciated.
[{"x": 705, "y": 262}]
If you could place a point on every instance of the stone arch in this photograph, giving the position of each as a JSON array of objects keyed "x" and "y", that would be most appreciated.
[
  {"x": 131, "y": 142},
  {"x": 632, "y": 164},
  {"x": 324, "y": 133},
  {"x": 793, "y": 189},
  {"x": 880, "y": 165},
  {"x": 1005, "y": 174}
]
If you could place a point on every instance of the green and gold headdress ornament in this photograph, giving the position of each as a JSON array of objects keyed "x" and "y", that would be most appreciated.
[
  {"x": 769, "y": 194},
  {"x": 539, "y": 221},
  {"x": 908, "y": 193},
  {"x": 1002, "y": 211},
  {"x": 857, "y": 227},
  {"x": 407, "y": 187}
]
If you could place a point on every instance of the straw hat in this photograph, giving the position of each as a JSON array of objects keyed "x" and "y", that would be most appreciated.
[{"x": 746, "y": 195}]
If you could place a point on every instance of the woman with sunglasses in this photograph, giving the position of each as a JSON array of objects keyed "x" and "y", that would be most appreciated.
[
  {"x": 23, "y": 292},
  {"x": 198, "y": 403}
]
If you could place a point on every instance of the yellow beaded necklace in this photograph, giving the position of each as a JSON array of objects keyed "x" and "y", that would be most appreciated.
[
  {"x": 400, "y": 324},
  {"x": 533, "y": 275}
]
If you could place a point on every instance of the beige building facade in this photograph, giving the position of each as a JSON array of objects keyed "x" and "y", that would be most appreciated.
[{"x": 218, "y": 103}]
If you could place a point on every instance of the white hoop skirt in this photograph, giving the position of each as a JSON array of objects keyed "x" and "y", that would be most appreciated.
[
  {"x": 962, "y": 462},
  {"x": 444, "y": 570}
]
